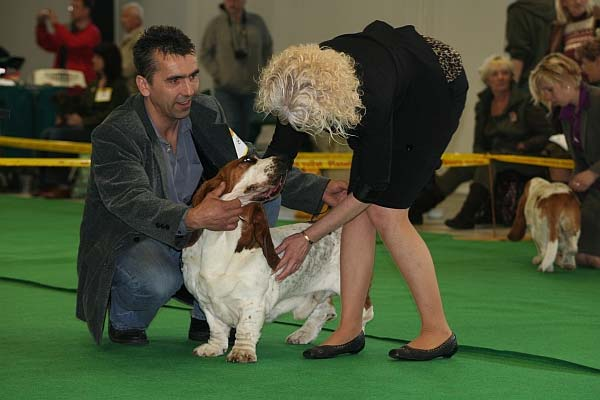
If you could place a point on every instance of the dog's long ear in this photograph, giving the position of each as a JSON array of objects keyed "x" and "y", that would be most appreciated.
[
  {"x": 256, "y": 233},
  {"x": 200, "y": 194},
  {"x": 206, "y": 188},
  {"x": 519, "y": 224}
]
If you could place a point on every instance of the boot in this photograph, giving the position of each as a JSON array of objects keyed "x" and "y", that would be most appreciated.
[
  {"x": 465, "y": 219},
  {"x": 430, "y": 197}
]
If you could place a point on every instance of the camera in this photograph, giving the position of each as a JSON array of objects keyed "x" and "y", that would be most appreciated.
[{"x": 240, "y": 54}]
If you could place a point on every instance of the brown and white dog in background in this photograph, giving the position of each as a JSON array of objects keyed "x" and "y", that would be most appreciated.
[
  {"x": 551, "y": 212},
  {"x": 231, "y": 273}
]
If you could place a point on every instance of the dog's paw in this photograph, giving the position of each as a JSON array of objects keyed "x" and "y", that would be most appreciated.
[
  {"x": 241, "y": 355},
  {"x": 567, "y": 262},
  {"x": 536, "y": 260},
  {"x": 209, "y": 350},
  {"x": 546, "y": 268},
  {"x": 301, "y": 336}
]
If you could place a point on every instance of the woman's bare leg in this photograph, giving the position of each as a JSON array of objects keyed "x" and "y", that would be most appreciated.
[
  {"x": 357, "y": 258},
  {"x": 414, "y": 261}
]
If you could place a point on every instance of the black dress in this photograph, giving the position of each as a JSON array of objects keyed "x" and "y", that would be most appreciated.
[{"x": 413, "y": 97}]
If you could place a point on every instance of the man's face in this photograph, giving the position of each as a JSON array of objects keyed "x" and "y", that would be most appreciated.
[
  {"x": 591, "y": 69},
  {"x": 78, "y": 10},
  {"x": 129, "y": 19},
  {"x": 172, "y": 86},
  {"x": 234, "y": 7}
]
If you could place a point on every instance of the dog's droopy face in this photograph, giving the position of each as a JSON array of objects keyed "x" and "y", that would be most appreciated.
[{"x": 249, "y": 179}]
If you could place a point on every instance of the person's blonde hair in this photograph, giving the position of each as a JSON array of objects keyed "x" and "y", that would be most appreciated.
[
  {"x": 554, "y": 68},
  {"x": 563, "y": 17},
  {"x": 314, "y": 90},
  {"x": 493, "y": 63}
]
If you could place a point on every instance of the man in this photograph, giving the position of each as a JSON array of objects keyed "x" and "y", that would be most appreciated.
[
  {"x": 73, "y": 45},
  {"x": 235, "y": 46},
  {"x": 132, "y": 21},
  {"x": 528, "y": 28},
  {"x": 589, "y": 55},
  {"x": 147, "y": 160}
]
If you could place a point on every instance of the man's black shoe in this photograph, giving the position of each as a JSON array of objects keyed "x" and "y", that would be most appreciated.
[
  {"x": 200, "y": 331},
  {"x": 127, "y": 336}
]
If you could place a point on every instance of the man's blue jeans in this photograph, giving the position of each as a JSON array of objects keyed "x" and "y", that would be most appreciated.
[{"x": 147, "y": 275}]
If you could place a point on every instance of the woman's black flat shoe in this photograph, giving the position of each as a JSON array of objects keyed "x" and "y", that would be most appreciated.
[
  {"x": 352, "y": 347},
  {"x": 446, "y": 350}
]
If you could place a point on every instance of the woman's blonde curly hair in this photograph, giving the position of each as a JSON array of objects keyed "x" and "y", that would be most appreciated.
[{"x": 315, "y": 90}]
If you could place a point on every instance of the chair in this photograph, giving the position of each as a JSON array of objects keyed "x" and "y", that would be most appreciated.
[{"x": 59, "y": 77}]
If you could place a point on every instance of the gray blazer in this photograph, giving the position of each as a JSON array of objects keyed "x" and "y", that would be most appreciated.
[
  {"x": 127, "y": 194},
  {"x": 589, "y": 158}
]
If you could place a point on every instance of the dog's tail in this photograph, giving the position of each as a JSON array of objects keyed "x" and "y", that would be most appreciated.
[{"x": 519, "y": 224}]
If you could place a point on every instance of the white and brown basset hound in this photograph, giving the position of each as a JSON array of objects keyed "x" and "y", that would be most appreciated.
[
  {"x": 231, "y": 273},
  {"x": 552, "y": 214}
]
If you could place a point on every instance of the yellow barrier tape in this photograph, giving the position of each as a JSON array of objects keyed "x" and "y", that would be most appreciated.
[
  {"x": 540, "y": 161},
  {"x": 59, "y": 146},
  {"x": 44, "y": 162},
  {"x": 313, "y": 162}
]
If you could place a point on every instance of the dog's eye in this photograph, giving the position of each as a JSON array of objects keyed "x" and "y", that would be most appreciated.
[{"x": 248, "y": 159}]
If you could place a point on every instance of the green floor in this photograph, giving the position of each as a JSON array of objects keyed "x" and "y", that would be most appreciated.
[{"x": 523, "y": 335}]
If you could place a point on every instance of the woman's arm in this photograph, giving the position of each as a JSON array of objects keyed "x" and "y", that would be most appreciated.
[{"x": 296, "y": 246}]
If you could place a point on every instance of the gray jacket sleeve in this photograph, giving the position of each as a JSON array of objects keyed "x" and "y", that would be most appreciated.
[
  {"x": 304, "y": 191},
  {"x": 125, "y": 188},
  {"x": 208, "y": 51}
]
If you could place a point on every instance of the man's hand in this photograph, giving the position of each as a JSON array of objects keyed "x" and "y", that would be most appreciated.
[
  {"x": 213, "y": 213},
  {"x": 335, "y": 193},
  {"x": 583, "y": 180}
]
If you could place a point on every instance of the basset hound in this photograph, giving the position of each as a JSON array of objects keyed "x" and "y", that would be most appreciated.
[
  {"x": 552, "y": 214},
  {"x": 231, "y": 273}
]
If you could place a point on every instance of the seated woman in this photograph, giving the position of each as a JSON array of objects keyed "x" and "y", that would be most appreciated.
[
  {"x": 557, "y": 81},
  {"x": 78, "y": 116},
  {"x": 506, "y": 122},
  {"x": 576, "y": 22}
]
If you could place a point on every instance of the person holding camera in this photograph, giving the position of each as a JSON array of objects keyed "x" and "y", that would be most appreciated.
[
  {"x": 235, "y": 46},
  {"x": 73, "y": 45}
]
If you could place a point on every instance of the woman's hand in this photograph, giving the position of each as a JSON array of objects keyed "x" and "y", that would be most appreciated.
[
  {"x": 296, "y": 248},
  {"x": 583, "y": 180}
]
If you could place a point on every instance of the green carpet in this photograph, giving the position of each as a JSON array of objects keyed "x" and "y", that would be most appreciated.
[{"x": 523, "y": 334}]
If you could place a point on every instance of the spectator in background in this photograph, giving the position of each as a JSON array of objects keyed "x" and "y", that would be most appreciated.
[
  {"x": 235, "y": 46},
  {"x": 528, "y": 27},
  {"x": 78, "y": 116},
  {"x": 557, "y": 81},
  {"x": 132, "y": 21},
  {"x": 589, "y": 56},
  {"x": 73, "y": 45},
  {"x": 506, "y": 122},
  {"x": 576, "y": 22}
]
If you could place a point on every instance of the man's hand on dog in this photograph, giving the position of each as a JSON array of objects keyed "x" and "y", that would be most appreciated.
[
  {"x": 335, "y": 193},
  {"x": 583, "y": 180},
  {"x": 213, "y": 213}
]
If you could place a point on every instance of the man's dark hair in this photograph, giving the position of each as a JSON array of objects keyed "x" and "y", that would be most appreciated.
[
  {"x": 589, "y": 50},
  {"x": 165, "y": 40},
  {"x": 112, "y": 60}
]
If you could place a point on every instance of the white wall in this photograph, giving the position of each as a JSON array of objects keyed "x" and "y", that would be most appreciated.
[{"x": 474, "y": 27}]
